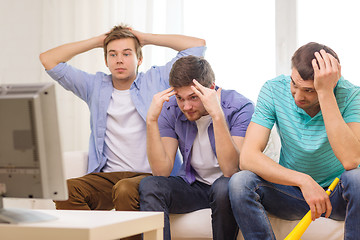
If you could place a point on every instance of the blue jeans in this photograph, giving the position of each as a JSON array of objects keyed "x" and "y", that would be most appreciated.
[
  {"x": 251, "y": 197},
  {"x": 174, "y": 195}
]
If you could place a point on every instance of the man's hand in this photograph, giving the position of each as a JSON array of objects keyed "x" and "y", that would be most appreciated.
[
  {"x": 140, "y": 36},
  {"x": 317, "y": 199},
  {"x": 209, "y": 97},
  {"x": 326, "y": 73},
  {"x": 157, "y": 103},
  {"x": 100, "y": 40}
]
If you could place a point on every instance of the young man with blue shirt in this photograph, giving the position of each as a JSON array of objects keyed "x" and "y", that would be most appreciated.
[
  {"x": 208, "y": 125},
  {"x": 118, "y": 106},
  {"x": 317, "y": 114}
]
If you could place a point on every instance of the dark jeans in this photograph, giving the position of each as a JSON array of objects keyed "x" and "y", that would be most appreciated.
[{"x": 174, "y": 195}]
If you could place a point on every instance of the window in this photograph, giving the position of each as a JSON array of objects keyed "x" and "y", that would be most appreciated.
[
  {"x": 240, "y": 37},
  {"x": 333, "y": 23}
]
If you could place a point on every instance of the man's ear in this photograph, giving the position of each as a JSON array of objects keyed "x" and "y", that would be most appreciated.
[
  {"x": 140, "y": 61},
  {"x": 212, "y": 85},
  {"x": 106, "y": 63}
]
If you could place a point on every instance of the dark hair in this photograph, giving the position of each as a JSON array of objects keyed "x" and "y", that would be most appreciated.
[
  {"x": 301, "y": 60},
  {"x": 121, "y": 32},
  {"x": 185, "y": 69}
]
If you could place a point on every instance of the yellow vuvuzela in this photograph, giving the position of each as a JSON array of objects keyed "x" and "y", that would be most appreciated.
[{"x": 304, "y": 223}]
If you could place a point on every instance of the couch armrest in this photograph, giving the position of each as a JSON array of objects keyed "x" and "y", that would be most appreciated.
[{"x": 75, "y": 164}]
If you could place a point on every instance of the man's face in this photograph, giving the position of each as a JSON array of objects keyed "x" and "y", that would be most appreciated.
[
  {"x": 304, "y": 94},
  {"x": 189, "y": 103},
  {"x": 121, "y": 60}
]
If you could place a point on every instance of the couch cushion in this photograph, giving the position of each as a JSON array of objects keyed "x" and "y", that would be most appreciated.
[{"x": 197, "y": 225}]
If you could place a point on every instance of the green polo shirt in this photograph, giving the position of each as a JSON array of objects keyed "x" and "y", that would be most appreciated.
[{"x": 304, "y": 143}]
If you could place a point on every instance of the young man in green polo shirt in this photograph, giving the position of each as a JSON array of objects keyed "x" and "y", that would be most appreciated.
[{"x": 317, "y": 114}]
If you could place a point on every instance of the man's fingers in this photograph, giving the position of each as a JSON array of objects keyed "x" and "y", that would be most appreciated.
[
  {"x": 218, "y": 92},
  {"x": 320, "y": 209},
  {"x": 315, "y": 67},
  {"x": 167, "y": 91},
  {"x": 320, "y": 60},
  {"x": 197, "y": 92},
  {"x": 168, "y": 95},
  {"x": 334, "y": 63},
  {"x": 163, "y": 96},
  {"x": 328, "y": 208},
  {"x": 198, "y": 86},
  {"x": 313, "y": 212},
  {"x": 325, "y": 57}
]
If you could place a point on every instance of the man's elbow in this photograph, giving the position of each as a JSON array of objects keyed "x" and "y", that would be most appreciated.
[
  {"x": 242, "y": 161},
  {"x": 351, "y": 165},
  {"x": 44, "y": 60},
  {"x": 231, "y": 171},
  {"x": 202, "y": 42},
  {"x": 160, "y": 172}
]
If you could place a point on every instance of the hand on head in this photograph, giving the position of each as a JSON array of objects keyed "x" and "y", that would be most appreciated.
[
  {"x": 327, "y": 71},
  {"x": 209, "y": 97},
  {"x": 157, "y": 103}
]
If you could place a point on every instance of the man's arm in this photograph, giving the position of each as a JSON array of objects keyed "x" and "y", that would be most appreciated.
[
  {"x": 227, "y": 147},
  {"x": 253, "y": 159},
  {"x": 64, "y": 53},
  {"x": 176, "y": 42},
  {"x": 161, "y": 151},
  {"x": 344, "y": 138}
]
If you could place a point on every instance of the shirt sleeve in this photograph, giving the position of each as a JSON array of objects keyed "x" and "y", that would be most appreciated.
[
  {"x": 166, "y": 123},
  {"x": 352, "y": 110},
  {"x": 240, "y": 120},
  {"x": 73, "y": 79},
  {"x": 264, "y": 114}
]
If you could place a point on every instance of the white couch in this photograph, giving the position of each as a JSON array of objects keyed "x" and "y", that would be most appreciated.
[{"x": 197, "y": 225}]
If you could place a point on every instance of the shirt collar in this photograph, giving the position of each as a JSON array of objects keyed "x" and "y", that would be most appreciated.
[{"x": 136, "y": 81}]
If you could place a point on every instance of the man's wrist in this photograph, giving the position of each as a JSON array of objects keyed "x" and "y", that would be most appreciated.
[
  {"x": 151, "y": 121},
  {"x": 218, "y": 116},
  {"x": 323, "y": 95}
]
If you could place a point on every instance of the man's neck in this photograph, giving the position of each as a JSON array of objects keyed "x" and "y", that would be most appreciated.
[
  {"x": 122, "y": 84},
  {"x": 313, "y": 112}
]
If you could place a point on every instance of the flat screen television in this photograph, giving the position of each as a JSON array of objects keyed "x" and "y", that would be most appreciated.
[{"x": 31, "y": 163}]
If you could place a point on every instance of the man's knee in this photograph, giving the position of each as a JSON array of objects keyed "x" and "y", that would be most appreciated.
[
  {"x": 220, "y": 189},
  {"x": 350, "y": 181},
  {"x": 76, "y": 196},
  {"x": 125, "y": 194},
  {"x": 240, "y": 183},
  {"x": 153, "y": 184},
  {"x": 75, "y": 187},
  {"x": 154, "y": 193},
  {"x": 125, "y": 188}
]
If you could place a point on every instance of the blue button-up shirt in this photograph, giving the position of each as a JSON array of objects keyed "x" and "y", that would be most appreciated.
[
  {"x": 173, "y": 123},
  {"x": 96, "y": 90}
]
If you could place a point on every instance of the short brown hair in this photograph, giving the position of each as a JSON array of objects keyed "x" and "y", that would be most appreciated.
[
  {"x": 185, "y": 69},
  {"x": 301, "y": 60},
  {"x": 121, "y": 32}
]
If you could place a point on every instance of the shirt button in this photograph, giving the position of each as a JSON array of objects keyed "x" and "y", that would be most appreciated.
[{"x": 186, "y": 150}]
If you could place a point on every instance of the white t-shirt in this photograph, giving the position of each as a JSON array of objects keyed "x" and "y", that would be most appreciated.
[
  {"x": 203, "y": 159},
  {"x": 125, "y": 136}
]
